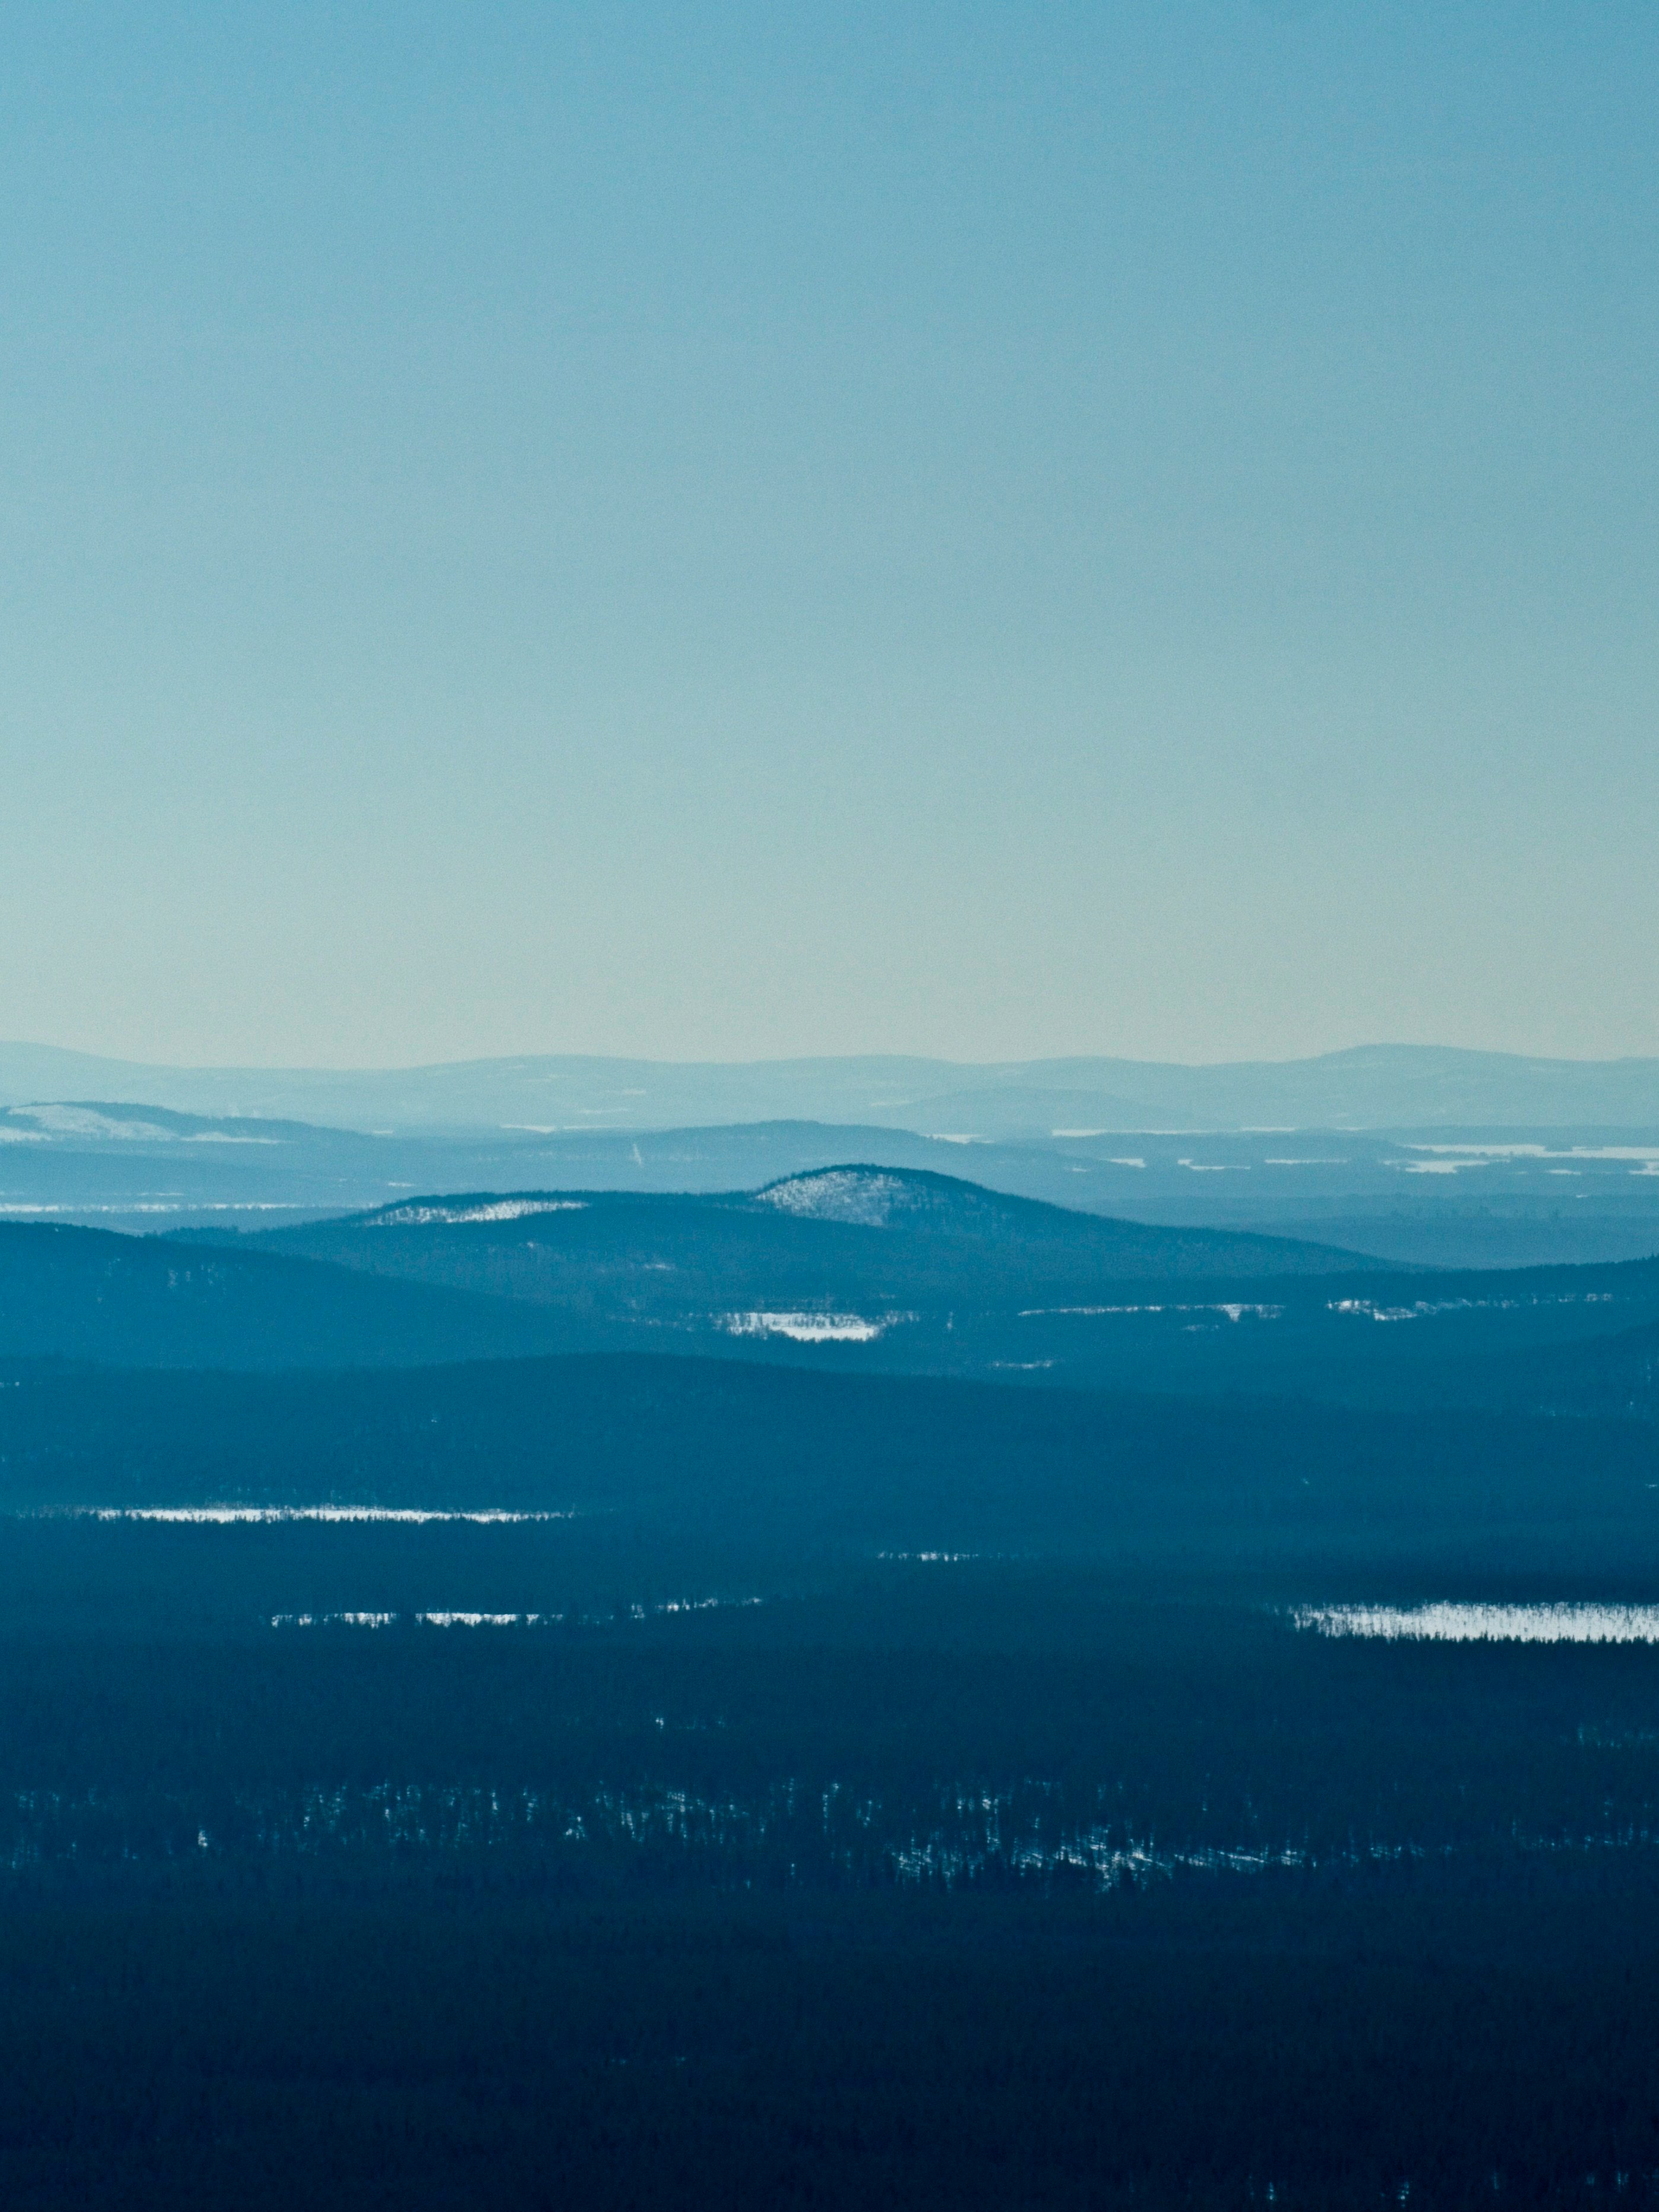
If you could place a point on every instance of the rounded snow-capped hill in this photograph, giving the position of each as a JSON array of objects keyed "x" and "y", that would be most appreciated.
[
  {"x": 917, "y": 1198},
  {"x": 868, "y": 1197},
  {"x": 917, "y": 1201}
]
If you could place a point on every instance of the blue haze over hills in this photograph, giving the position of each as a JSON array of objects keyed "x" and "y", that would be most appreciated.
[
  {"x": 1371, "y": 1087},
  {"x": 1443, "y": 1157}
]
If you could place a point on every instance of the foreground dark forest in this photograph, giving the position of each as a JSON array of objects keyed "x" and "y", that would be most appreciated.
[
  {"x": 465, "y": 2043},
  {"x": 628, "y": 1781},
  {"x": 958, "y": 1885}
]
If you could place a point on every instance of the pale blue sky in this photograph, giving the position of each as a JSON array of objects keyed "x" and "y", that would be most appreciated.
[{"x": 731, "y": 530}]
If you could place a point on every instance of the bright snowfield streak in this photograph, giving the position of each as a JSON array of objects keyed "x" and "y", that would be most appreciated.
[
  {"x": 222, "y": 1515},
  {"x": 1368, "y": 1309},
  {"x": 170, "y": 1206},
  {"x": 1485, "y": 1624},
  {"x": 806, "y": 1327},
  {"x": 494, "y": 1209},
  {"x": 453, "y": 1618},
  {"x": 1233, "y": 1311}
]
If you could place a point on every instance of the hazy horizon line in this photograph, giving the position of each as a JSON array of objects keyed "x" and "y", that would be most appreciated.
[{"x": 826, "y": 1058}]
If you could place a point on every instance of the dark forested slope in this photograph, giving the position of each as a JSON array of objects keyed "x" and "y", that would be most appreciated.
[
  {"x": 859, "y": 1231},
  {"x": 774, "y": 1463},
  {"x": 84, "y": 1294}
]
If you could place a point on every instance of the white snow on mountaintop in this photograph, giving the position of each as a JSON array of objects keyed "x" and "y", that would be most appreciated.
[
  {"x": 87, "y": 1121},
  {"x": 92, "y": 1121},
  {"x": 494, "y": 1209},
  {"x": 865, "y": 1196}
]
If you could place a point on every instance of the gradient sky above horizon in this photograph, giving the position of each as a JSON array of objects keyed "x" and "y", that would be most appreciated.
[{"x": 739, "y": 530}]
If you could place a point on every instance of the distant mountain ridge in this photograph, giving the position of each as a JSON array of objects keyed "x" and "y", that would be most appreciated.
[
  {"x": 852, "y": 1268},
  {"x": 1504, "y": 1197},
  {"x": 805, "y": 1216},
  {"x": 866, "y": 1268},
  {"x": 1369, "y": 1086}
]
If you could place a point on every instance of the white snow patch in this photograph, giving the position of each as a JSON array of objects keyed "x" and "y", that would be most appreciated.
[
  {"x": 86, "y": 1122},
  {"x": 224, "y": 1516},
  {"x": 417, "y": 1216},
  {"x": 331, "y": 1619},
  {"x": 478, "y": 1620},
  {"x": 1486, "y": 1152},
  {"x": 811, "y": 1328},
  {"x": 178, "y": 1205},
  {"x": 1452, "y": 1160},
  {"x": 467, "y": 1618},
  {"x": 1474, "y": 1153},
  {"x": 1368, "y": 1309},
  {"x": 89, "y": 1122},
  {"x": 1449, "y": 1623},
  {"x": 390, "y": 1620},
  {"x": 1234, "y": 1312},
  {"x": 866, "y": 1198}
]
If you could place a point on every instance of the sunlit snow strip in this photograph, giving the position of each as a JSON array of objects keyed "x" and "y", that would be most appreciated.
[
  {"x": 454, "y": 1617},
  {"x": 1543, "y": 1151},
  {"x": 1369, "y": 1311},
  {"x": 707, "y": 1604},
  {"x": 1448, "y": 1623},
  {"x": 332, "y": 1620},
  {"x": 427, "y": 1619},
  {"x": 449, "y": 1216},
  {"x": 809, "y": 1327},
  {"x": 169, "y": 1206},
  {"x": 478, "y": 1620},
  {"x": 87, "y": 1121},
  {"x": 220, "y": 1515},
  {"x": 938, "y": 1559},
  {"x": 1233, "y": 1311}
]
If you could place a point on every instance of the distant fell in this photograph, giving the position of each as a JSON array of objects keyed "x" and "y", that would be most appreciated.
[
  {"x": 1371, "y": 1086},
  {"x": 817, "y": 1220}
]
